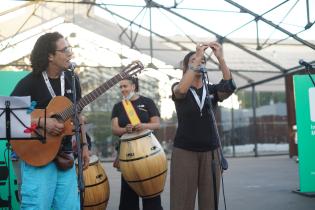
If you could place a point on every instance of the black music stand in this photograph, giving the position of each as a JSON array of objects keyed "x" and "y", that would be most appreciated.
[{"x": 8, "y": 112}]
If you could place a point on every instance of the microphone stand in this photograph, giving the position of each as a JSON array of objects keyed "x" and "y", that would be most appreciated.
[
  {"x": 78, "y": 140},
  {"x": 222, "y": 160}
]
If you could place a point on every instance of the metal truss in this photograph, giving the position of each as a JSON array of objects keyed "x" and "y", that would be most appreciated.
[
  {"x": 182, "y": 47},
  {"x": 278, "y": 27},
  {"x": 149, "y": 4}
]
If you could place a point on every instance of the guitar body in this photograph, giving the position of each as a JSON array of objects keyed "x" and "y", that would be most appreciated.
[{"x": 36, "y": 153}]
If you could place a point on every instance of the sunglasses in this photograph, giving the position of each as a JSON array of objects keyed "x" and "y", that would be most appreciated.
[{"x": 65, "y": 50}]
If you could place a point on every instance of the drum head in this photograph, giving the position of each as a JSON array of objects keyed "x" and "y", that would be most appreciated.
[
  {"x": 93, "y": 160},
  {"x": 135, "y": 135}
]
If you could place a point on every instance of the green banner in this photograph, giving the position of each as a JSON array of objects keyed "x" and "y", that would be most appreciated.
[
  {"x": 8, "y": 80},
  {"x": 304, "y": 92}
]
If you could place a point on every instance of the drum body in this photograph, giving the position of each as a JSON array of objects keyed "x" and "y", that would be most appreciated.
[
  {"x": 96, "y": 193},
  {"x": 143, "y": 163}
]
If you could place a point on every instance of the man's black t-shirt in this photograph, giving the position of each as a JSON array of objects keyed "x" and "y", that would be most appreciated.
[
  {"x": 195, "y": 130},
  {"x": 144, "y": 107},
  {"x": 35, "y": 86}
]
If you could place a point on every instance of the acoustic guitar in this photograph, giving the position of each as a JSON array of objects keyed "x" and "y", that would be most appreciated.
[{"x": 36, "y": 153}]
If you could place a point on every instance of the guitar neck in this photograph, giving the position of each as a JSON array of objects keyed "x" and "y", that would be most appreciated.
[{"x": 87, "y": 99}]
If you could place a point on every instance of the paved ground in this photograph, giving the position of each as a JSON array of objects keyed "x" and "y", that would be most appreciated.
[{"x": 264, "y": 183}]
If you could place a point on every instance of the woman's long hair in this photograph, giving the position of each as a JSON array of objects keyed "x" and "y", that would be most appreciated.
[{"x": 45, "y": 45}]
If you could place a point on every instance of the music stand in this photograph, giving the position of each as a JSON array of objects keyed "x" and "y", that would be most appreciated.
[{"x": 9, "y": 112}]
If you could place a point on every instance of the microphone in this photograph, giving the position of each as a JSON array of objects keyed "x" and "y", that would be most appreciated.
[
  {"x": 203, "y": 68},
  {"x": 72, "y": 66},
  {"x": 224, "y": 163},
  {"x": 304, "y": 63}
]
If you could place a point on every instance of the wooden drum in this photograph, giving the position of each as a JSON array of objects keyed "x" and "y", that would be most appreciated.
[
  {"x": 96, "y": 193},
  {"x": 143, "y": 163}
]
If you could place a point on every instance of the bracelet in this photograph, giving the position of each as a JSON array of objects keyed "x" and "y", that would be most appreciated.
[
  {"x": 38, "y": 122},
  {"x": 84, "y": 144}
]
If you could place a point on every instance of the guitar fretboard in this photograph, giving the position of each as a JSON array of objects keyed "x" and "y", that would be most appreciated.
[{"x": 69, "y": 111}]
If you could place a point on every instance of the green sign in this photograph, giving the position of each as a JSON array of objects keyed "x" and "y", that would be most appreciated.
[
  {"x": 304, "y": 92},
  {"x": 8, "y": 80}
]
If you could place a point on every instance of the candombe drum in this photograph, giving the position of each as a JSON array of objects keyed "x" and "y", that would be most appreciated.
[
  {"x": 143, "y": 163},
  {"x": 96, "y": 193}
]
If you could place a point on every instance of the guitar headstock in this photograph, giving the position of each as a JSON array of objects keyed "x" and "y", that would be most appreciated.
[{"x": 133, "y": 68}]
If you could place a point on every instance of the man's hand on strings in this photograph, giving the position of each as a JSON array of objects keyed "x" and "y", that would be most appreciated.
[{"x": 53, "y": 126}]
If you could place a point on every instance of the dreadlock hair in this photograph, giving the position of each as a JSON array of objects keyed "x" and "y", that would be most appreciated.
[{"x": 45, "y": 45}]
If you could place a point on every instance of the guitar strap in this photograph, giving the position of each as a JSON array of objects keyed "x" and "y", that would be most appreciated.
[
  {"x": 131, "y": 112},
  {"x": 51, "y": 90}
]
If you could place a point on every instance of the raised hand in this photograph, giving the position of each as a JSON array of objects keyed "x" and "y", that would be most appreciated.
[
  {"x": 216, "y": 49},
  {"x": 201, "y": 48}
]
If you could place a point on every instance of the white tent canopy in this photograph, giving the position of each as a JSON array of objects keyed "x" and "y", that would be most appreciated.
[{"x": 111, "y": 35}]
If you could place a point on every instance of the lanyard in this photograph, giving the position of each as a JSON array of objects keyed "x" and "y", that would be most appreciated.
[
  {"x": 131, "y": 112},
  {"x": 202, "y": 102},
  {"x": 51, "y": 90}
]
